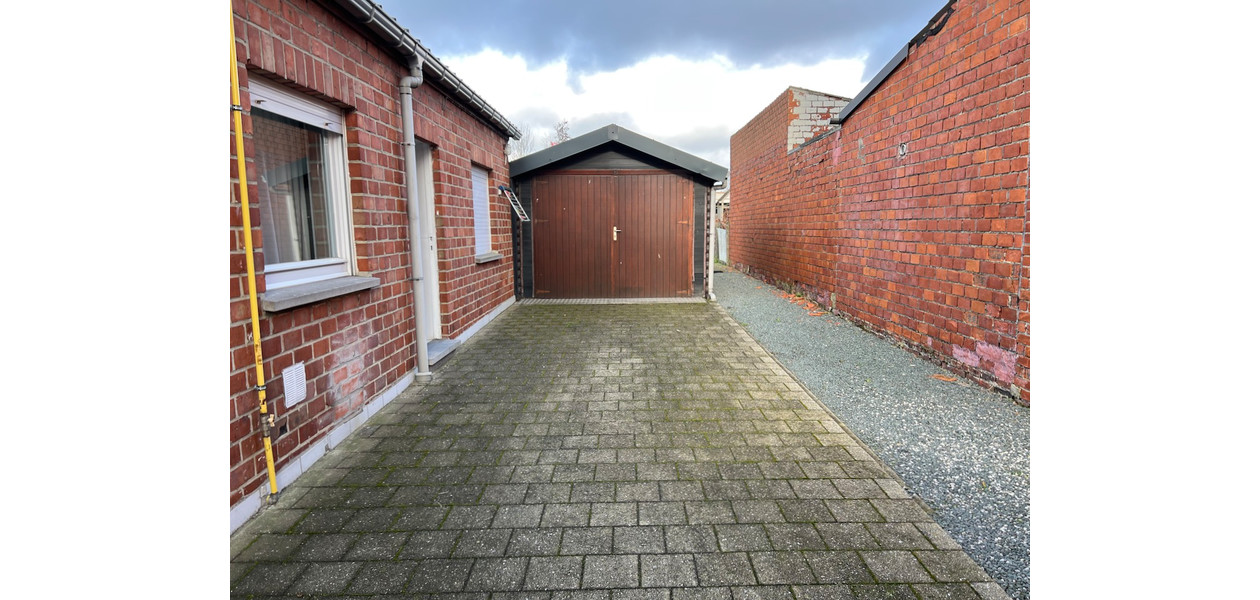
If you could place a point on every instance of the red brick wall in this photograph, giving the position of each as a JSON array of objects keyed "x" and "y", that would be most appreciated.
[
  {"x": 930, "y": 248},
  {"x": 468, "y": 291},
  {"x": 358, "y": 345}
]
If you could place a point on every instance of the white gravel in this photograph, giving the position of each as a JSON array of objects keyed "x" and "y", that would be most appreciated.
[{"x": 961, "y": 448}]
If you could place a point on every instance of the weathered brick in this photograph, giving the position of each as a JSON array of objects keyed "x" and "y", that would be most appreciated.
[
  {"x": 891, "y": 235},
  {"x": 365, "y": 341}
]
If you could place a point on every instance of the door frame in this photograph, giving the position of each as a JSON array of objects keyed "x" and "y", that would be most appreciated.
[{"x": 428, "y": 271}]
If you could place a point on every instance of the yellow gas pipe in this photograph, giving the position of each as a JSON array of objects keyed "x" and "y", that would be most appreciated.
[{"x": 267, "y": 419}]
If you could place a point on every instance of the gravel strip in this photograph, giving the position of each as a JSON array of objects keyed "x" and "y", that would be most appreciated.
[{"x": 961, "y": 448}]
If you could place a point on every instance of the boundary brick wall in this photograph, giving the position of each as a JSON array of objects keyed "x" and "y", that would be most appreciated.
[
  {"x": 912, "y": 218},
  {"x": 357, "y": 345}
]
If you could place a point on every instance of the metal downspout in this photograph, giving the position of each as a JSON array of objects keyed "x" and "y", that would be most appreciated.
[
  {"x": 405, "y": 85},
  {"x": 713, "y": 232},
  {"x": 247, "y": 232}
]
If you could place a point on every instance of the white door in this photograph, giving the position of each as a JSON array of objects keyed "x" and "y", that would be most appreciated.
[{"x": 428, "y": 271}]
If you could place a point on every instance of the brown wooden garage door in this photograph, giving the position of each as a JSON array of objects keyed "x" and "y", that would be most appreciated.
[{"x": 575, "y": 253}]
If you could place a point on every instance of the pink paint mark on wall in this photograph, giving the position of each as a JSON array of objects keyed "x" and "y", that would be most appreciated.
[
  {"x": 1000, "y": 362},
  {"x": 966, "y": 357}
]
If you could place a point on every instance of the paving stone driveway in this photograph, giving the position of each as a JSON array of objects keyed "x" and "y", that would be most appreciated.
[{"x": 604, "y": 452}]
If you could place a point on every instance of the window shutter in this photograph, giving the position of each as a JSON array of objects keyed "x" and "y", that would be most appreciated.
[
  {"x": 273, "y": 98},
  {"x": 481, "y": 209}
]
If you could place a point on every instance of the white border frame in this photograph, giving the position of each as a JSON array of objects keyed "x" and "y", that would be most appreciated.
[
  {"x": 425, "y": 175},
  {"x": 274, "y": 99},
  {"x": 484, "y": 204}
]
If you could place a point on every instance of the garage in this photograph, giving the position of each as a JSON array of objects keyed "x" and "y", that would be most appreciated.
[{"x": 613, "y": 214}]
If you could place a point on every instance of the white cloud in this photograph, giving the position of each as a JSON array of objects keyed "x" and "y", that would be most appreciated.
[{"x": 667, "y": 97}]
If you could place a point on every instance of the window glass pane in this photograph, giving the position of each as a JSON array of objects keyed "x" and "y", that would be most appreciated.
[{"x": 293, "y": 189}]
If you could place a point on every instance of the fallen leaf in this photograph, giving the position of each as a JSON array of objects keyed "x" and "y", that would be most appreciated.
[
  {"x": 758, "y": 287},
  {"x": 945, "y": 378},
  {"x": 817, "y": 313}
]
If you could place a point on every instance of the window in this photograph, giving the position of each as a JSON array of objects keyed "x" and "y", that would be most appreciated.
[
  {"x": 481, "y": 209},
  {"x": 300, "y": 161}
]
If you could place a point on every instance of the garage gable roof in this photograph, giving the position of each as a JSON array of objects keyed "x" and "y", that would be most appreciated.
[{"x": 617, "y": 135}]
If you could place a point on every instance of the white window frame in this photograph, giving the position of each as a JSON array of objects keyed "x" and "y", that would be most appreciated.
[
  {"x": 274, "y": 99},
  {"x": 481, "y": 210}
]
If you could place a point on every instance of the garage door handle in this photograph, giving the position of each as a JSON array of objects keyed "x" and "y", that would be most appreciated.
[{"x": 615, "y": 232}]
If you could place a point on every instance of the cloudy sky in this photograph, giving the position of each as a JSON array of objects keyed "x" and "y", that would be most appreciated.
[{"x": 685, "y": 72}]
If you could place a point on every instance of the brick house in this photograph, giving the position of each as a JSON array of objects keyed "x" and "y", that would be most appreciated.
[
  {"x": 906, "y": 210},
  {"x": 323, "y": 85}
]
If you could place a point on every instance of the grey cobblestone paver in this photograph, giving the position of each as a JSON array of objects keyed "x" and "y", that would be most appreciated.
[
  {"x": 962, "y": 449},
  {"x": 628, "y": 452}
]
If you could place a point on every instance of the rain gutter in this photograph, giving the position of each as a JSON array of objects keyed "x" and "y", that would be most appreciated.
[{"x": 384, "y": 26}]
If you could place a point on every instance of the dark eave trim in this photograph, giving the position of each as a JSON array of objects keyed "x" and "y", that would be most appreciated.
[
  {"x": 932, "y": 28},
  {"x": 615, "y": 134}
]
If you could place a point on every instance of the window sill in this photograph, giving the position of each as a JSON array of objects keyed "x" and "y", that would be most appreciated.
[
  {"x": 310, "y": 293},
  {"x": 487, "y": 257}
]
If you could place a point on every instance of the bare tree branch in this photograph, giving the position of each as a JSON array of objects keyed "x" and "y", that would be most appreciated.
[
  {"x": 562, "y": 132},
  {"x": 529, "y": 143}
]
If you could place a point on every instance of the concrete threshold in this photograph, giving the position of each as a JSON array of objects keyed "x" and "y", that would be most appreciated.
[{"x": 533, "y": 301}]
